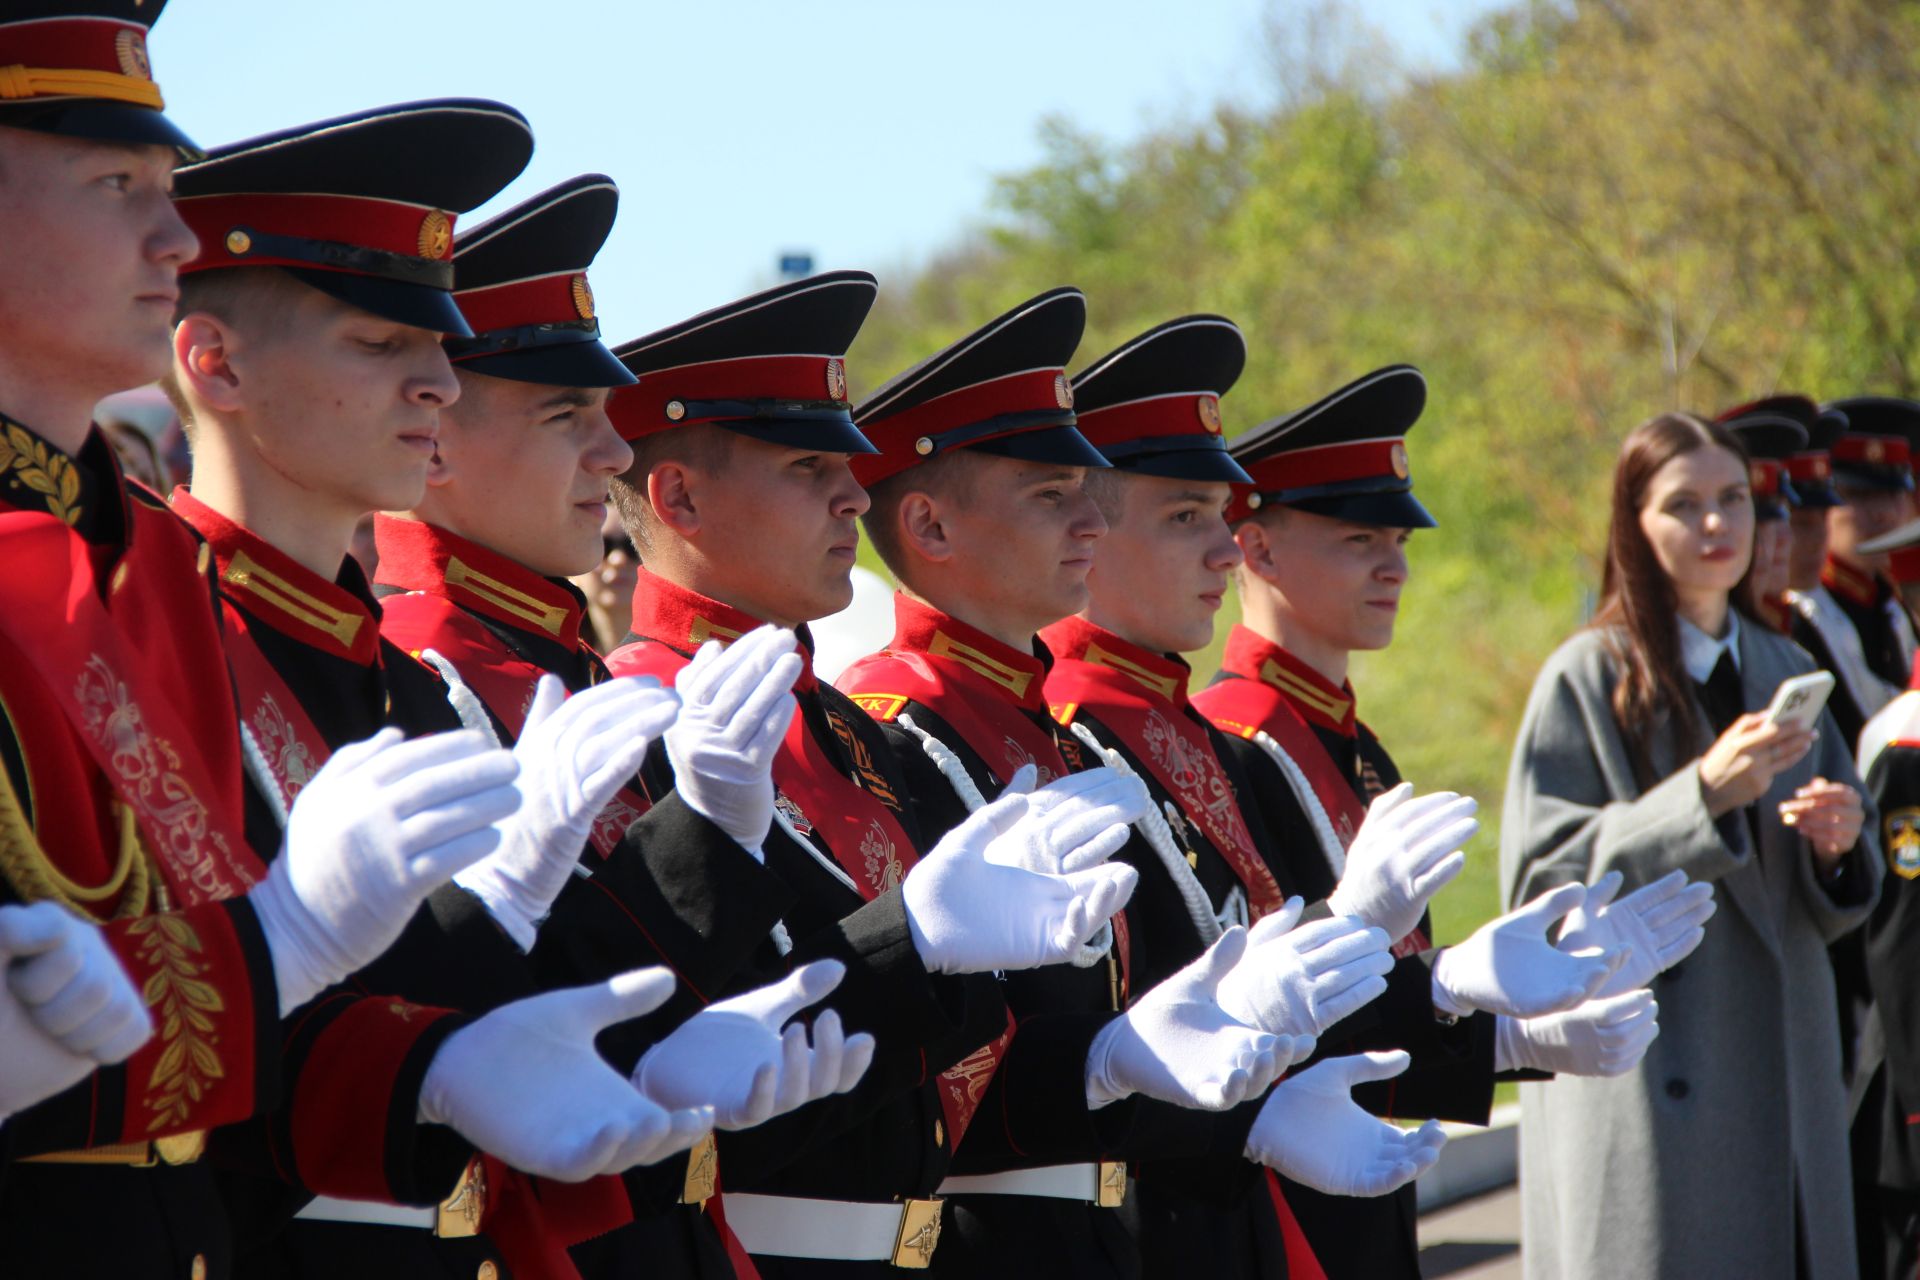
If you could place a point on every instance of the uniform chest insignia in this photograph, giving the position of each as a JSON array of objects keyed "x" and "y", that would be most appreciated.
[
  {"x": 791, "y": 812},
  {"x": 1903, "y": 842}
]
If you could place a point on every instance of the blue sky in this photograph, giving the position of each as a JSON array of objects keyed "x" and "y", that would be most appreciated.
[{"x": 866, "y": 133}]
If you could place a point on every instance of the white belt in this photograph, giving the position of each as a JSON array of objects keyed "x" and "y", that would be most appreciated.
[
  {"x": 840, "y": 1230},
  {"x": 369, "y": 1212},
  {"x": 1057, "y": 1181}
]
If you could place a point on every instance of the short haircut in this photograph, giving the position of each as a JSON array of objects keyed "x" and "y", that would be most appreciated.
[
  {"x": 948, "y": 478},
  {"x": 703, "y": 447},
  {"x": 256, "y": 299}
]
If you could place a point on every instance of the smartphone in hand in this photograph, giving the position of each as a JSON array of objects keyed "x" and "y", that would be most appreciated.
[{"x": 1799, "y": 699}]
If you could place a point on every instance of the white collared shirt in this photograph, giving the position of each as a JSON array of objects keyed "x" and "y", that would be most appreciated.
[{"x": 1700, "y": 652}]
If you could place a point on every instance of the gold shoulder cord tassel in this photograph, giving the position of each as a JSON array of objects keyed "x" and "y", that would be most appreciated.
[{"x": 34, "y": 877}]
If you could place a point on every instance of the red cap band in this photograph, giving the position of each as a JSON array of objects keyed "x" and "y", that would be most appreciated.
[
  {"x": 1764, "y": 476},
  {"x": 1810, "y": 466},
  {"x": 223, "y": 222},
  {"x": 557, "y": 299},
  {"x": 659, "y": 401},
  {"x": 1189, "y": 413},
  {"x": 1884, "y": 451}
]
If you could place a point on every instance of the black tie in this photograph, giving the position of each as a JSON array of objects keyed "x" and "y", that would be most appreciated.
[
  {"x": 1725, "y": 703},
  {"x": 1722, "y": 695}
]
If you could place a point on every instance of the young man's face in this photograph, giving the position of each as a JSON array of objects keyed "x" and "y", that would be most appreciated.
[
  {"x": 1337, "y": 582},
  {"x": 1809, "y": 550},
  {"x": 778, "y": 526},
  {"x": 525, "y": 470},
  {"x": 339, "y": 401},
  {"x": 1022, "y": 536},
  {"x": 1866, "y": 514},
  {"x": 1162, "y": 573},
  {"x": 90, "y": 255}
]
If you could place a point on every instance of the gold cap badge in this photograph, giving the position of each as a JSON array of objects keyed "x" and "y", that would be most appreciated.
[
  {"x": 583, "y": 297},
  {"x": 436, "y": 235},
  {"x": 130, "y": 47},
  {"x": 1875, "y": 451},
  {"x": 1398, "y": 456},
  {"x": 1209, "y": 408},
  {"x": 836, "y": 380},
  {"x": 1062, "y": 391}
]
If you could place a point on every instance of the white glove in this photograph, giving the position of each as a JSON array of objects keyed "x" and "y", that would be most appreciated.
[
  {"x": 66, "y": 1007},
  {"x": 1072, "y": 820},
  {"x": 383, "y": 824},
  {"x": 1300, "y": 981},
  {"x": 1508, "y": 966},
  {"x": 1659, "y": 924},
  {"x": 525, "y": 1084},
  {"x": 1178, "y": 1045},
  {"x": 734, "y": 1057},
  {"x": 574, "y": 754},
  {"x": 1311, "y": 1130},
  {"x": 969, "y": 913},
  {"x": 735, "y": 705},
  {"x": 1406, "y": 852},
  {"x": 1606, "y": 1036}
]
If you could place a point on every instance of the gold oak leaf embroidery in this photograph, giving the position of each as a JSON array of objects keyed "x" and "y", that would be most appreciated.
[
  {"x": 51, "y": 475},
  {"x": 184, "y": 1003}
]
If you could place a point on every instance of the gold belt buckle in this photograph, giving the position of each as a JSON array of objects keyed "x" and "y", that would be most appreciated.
[
  {"x": 458, "y": 1216},
  {"x": 919, "y": 1234},
  {"x": 181, "y": 1148},
  {"x": 703, "y": 1172},
  {"x": 1113, "y": 1184}
]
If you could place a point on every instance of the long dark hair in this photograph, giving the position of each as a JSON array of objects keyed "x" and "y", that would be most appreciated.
[{"x": 1638, "y": 610}]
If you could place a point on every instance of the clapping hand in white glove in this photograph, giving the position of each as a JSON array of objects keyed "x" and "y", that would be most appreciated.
[
  {"x": 1508, "y": 966},
  {"x": 1659, "y": 924},
  {"x": 574, "y": 754},
  {"x": 1311, "y": 1130},
  {"x": 1407, "y": 850},
  {"x": 66, "y": 1007},
  {"x": 382, "y": 825},
  {"x": 1300, "y": 979},
  {"x": 1178, "y": 1045},
  {"x": 734, "y": 1056},
  {"x": 969, "y": 913},
  {"x": 1071, "y": 822},
  {"x": 1605, "y": 1036},
  {"x": 525, "y": 1084},
  {"x": 735, "y": 705}
]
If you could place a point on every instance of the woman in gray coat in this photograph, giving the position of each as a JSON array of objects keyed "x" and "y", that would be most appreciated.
[{"x": 1725, "y": 1152}]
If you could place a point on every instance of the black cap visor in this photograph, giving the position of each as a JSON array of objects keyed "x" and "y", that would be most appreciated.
[
  {"x": 827, "y": 430},
  {"x": 419, "y": 305},
  {"x": 1063, "y": 445},
  {"x": 573, "y": 364},
  {"x": 1390, "y": 510},
  {"x": 97, "y": 121},
  {"x": 1868, "y": 475},
  {"x": 1183, "y": 457},
  {"x": 1813, "y": 494}
]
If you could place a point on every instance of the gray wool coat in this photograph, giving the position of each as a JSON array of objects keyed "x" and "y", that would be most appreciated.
[{"x": 1689, "y": 1166}]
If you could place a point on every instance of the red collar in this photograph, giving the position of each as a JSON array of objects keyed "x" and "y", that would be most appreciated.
[
  {"x": 1077, "y": 640},
  {"x": 416, "y": 556},
  {"x": 918, "y": 627},
  {"x": 684, "y": 620},
  {"x": 282, "y": 593},
  {"x": 1850, "y": 582},
  {"x": 1323, "y": 703}
]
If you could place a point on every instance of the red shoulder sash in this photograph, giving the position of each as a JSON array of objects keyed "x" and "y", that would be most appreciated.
[
  {"x": 1176, "y": 751},
  {"x": 502, "y": 679},
  {"x": 141, "y": 679}
]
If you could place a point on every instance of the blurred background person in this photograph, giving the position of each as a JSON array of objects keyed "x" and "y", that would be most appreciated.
[{"x": 608, "y": 587}]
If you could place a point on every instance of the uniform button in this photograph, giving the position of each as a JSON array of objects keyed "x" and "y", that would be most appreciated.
[
  {"x": 198, "y": 1271},
  {"x": 1678, "y": 1089},
  {"x": 939, "y": 1133},
  {"x": 488, "y": 1271}
]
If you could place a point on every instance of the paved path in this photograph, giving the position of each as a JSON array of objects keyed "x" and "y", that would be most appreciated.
[{"x": 1477, "y": 1239}]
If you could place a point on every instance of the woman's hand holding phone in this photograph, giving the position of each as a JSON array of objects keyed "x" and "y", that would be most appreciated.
[{"x": 1743, "y": 762}]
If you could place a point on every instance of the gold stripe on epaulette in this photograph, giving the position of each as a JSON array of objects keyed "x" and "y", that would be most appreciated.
[
  {"x": 270, "y": 588},
  {"x": 1165, "y": 686},
  {"x": 550, "y": 618},
  {"x": 1332, "y": 706},
  {"x": 881, "y": 706},
  {"x": 1016, "y": 682},
  {"x": 704, "y": 630}
]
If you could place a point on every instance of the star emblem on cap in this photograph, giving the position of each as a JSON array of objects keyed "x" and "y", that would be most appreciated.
[
  {"x": 130, "y": 47},
  {"x": 1398, "y": 457},
  {"x": 1062, "y": 391},
  {"x": 836, "y": 380},
  {"x": 1208, "y": 408},
  {"x": 436, "y": 235},
  {"x": 583, "y": 296}
]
